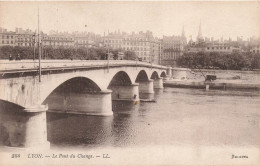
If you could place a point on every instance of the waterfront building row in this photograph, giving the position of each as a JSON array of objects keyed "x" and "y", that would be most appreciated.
[
  {"x": 29, "y": 38},
  {"x": 148, "y": 48},
  {"x": 210, "y": 47}
]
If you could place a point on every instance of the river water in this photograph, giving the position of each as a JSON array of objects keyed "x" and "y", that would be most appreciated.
[
  {"x": 184, "y": 126},
  {"x": 180, "y": 117}
]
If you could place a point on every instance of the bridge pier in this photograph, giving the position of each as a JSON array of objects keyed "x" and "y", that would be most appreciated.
[
  {"x": 169, "y": 73},
  {"x": 125, "y": 92},
  {"x": 26, "y": 129},
  {"x": 158, "y": 83},
  {"x": 146, "y": 86},
  {"x": 89, "y": 103}
]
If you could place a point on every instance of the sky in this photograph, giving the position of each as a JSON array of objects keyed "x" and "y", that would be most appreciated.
[{"x": 227, "y": 19}]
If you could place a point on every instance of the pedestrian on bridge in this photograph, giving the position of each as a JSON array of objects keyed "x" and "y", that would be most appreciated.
[
  {"x": 18, "y": 57},
  {"x": 10, "y": 57}
]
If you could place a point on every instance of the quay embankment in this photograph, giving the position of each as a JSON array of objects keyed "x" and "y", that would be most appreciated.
[
  {"x": 226, "y": 80},
  {"x": 221, "y": 85}
]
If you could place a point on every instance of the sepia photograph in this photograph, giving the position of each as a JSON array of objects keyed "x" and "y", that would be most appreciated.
[{"x": 130, "y": 83}]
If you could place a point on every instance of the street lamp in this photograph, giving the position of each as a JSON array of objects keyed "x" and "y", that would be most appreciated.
[
  {"x": 34, "y": 43},
  {"x": 87, "y": 40},
  {"x": 39, "y": 46},
  {"x": 108, "y": 56}
]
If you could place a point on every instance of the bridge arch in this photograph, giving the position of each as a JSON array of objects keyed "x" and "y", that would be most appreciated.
[
  {"x": 71, "y": 84},
  {"x": 122, "y": 87},
  {"x": 78, "y": 84},
  {"x": 155, "y": 75},
  {"x": 163, "y": 74},
  {"x": 121, "y": 78},
  {"x": 142, "y": 76},
  {"x": 80, "y": 95}
]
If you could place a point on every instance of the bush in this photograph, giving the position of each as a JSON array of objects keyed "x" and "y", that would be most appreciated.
[
  {"x": 234, "y": 61},
  {"x": 60, "y": 53}
]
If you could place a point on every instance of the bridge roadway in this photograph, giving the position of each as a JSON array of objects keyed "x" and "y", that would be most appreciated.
[
  {"x": 76, "y": 86},
  {"x": 30, "y": 65}
]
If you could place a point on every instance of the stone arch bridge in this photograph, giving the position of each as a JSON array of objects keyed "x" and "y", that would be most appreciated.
[{"x": 86, "y": 86}]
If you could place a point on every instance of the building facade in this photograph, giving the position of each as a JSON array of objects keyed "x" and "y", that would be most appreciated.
[
  {"x": 221, "y": 48},
  {"x": 172, "y": 49},
  {"x": 57, "y": 40},
  {"x": 146, "y": 47},
  {"x": 255, "y": 48},
  {"x": 207, "y": 45},
  {"x": 28, "y": 38},
  {"x": 86, "y": 39},
  {"x": 7, "y": 37}
]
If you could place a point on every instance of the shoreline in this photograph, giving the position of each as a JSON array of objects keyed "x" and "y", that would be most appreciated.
[{"x": 219, "y": 85}]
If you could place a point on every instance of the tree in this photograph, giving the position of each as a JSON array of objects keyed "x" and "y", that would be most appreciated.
[
  {"x": 130, "y": 55},
  {"x": 255, "y": 63}
]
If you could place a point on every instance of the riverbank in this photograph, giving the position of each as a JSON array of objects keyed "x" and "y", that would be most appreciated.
[
  {"x": 217, "y": 84},
  {"x": 225, "y": 79}
]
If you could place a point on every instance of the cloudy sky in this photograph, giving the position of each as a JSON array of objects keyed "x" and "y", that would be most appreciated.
[{"x": 227, "y": 19}]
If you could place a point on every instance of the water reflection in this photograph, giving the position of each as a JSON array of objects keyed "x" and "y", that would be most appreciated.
[
  {"x": 179, "y": 116},
  {"x": 78, "y": 129}
]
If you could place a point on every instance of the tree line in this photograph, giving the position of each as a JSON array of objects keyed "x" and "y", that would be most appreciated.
[
  {"x": 64, "y": 53},
  {"x": 233, "y": 61}
]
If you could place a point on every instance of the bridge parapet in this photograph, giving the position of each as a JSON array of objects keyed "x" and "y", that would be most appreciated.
[{"x": 6, "y": 65}]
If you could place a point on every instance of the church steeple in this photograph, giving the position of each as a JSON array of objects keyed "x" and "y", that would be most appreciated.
[
  {"x": 200, "y": 38},
  {"x": 183, "y": 36},
  {"x": 183, "y": 32},
  {"x": 200, "y": 33}
]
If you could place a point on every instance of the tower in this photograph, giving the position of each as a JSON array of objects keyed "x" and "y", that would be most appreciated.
[
  {"x": 183, "y": 35},
  {"x": 200, "y": 38}
]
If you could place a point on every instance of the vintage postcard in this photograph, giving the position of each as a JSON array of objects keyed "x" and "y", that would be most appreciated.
[{"x": 129, "y": 83}]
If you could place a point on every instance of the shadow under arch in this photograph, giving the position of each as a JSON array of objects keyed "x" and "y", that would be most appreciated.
[
  {"x": 80, "y": 95},
  {"x": 163, "y": 74},
  {"x": 121, "y": 78},
  {"x": 71, "y": 95},
  {"x": 155, "y": 75},
  {"x": 9, "y": 106},
  {"x": 77, "y": 85},
  {"x": 122, "y": 91},
  {"x": 142, "y": 76}
]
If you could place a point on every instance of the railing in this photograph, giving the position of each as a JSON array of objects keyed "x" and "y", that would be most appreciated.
[{"x": 6, "y": 65}]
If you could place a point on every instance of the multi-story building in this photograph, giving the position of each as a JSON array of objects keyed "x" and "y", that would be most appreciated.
[
  {"x": 207, "y": 45},
  {"x": 221, "y": 48},
  {"x": 29, "y": 38},
  {"x": 18, "y": 38},
  {"x": 255, "y": 48},
  {"x": 172, "y": 48},
  {"x": 57, "y": 40},
  {"x": 213, "y": 47},
  {"x": 146, "y": 47},
  {"x": 25, "y": 37},
  {"x": 86, "y": 39},
  {"x": 115, "y": 40},
  {"x": 254, "y": 45},
  {"x": 7, "y": 37}
]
